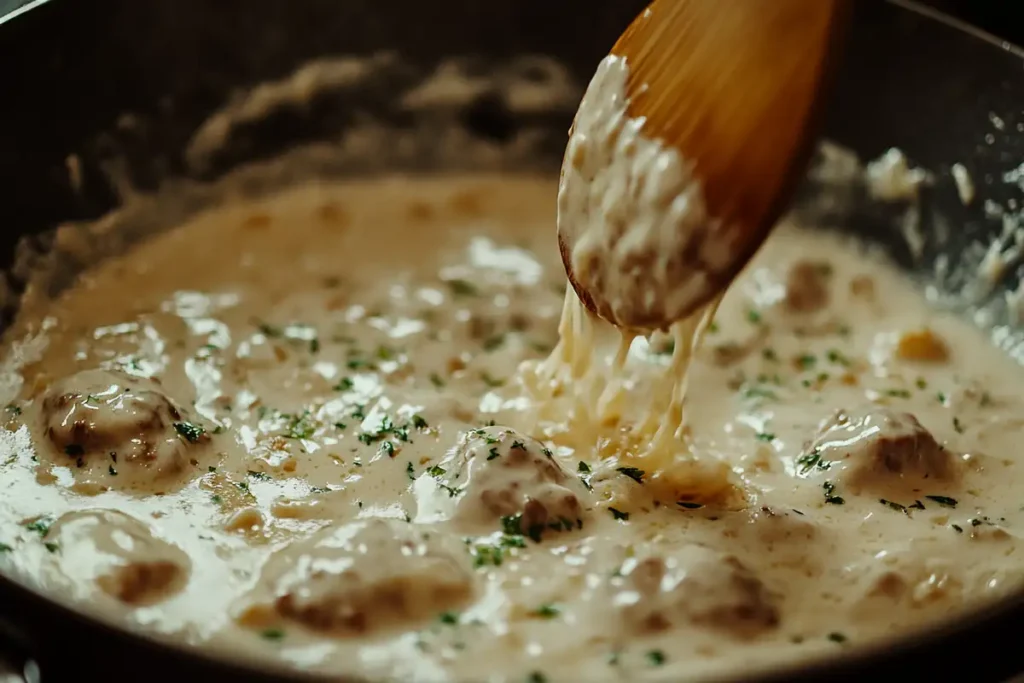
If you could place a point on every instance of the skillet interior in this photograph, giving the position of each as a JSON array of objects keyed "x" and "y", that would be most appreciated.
[{"x": 925, "y": 87}]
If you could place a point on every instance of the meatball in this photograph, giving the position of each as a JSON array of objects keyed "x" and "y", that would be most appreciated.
[
  {"x": 501, "y": 475},
  {"x": 119, "y": 555},
  {"x": 361, "y": 577},
  {"x": 694, "y": 585},
  {"x": 807, "y": 286},
  {"x": 119, "y": 429},
  {"x": 872, "y": 446}
]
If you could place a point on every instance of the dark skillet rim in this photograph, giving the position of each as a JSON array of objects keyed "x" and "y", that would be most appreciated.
[{"x": 979, "y": 634}]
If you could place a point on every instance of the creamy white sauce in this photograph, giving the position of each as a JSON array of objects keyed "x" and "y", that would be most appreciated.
[
  {"x": 298, "y": 392},
  {"x": 631, "y": 212}
]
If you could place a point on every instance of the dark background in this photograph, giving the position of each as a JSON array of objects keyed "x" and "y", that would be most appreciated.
[{"x": 1004, "y": 18}]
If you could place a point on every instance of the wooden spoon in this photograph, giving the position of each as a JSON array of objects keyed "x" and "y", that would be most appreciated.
[{"x": 734, "y": 87}]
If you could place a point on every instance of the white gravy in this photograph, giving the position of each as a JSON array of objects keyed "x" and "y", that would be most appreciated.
[{"x": 268, "y": 432}]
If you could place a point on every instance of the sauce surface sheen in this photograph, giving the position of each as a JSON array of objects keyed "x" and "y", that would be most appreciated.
[{"x": 329, "y": 429}]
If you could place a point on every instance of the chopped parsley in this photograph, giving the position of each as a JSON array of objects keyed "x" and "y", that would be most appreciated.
[
  {"x": 944, "y": 501},
  {"x": 491, "y": 381},
  {"x": 897, "y": 393},
  {"x": 689, "y": 505},
  {"x": 418, "y": 422},
  {"x": 830, "y": 497},
  {"x": 493, "y": 453},
  {"x": 537, "y": 677},
  {"x": 656, "y": 657},
  {"x": 806, "y": 361},
  {"x": 513, "y": 526},
  {"x": 494, "y": 343},
  {"x": 272, "y": 634},
  {"x": 754, "y": 316},
  {"x": 189, "y": 431},
  {"x": 40, "y": 526},
  {"x": 811, "y": 461},
  {"x": 448, "y": 618},
  {"x": 300, "y": 426},
  {"x": 494, "y": 553},
  {"x": 547, "y": 611},
  {"x": 344, "y": 384},
  {"x": 619, "y": 514},
  {"x": 410, "y": 471},
  {"x": 583, "y": 468},
  {"x": 894, "y": 506},
  {"x": 837, "y": 637},
  {"x": 836, "y": 357},
  {"x": 461, "y": 287},
  {"x": 633, "y": 473},
  {"x": 767, "y": 437}
]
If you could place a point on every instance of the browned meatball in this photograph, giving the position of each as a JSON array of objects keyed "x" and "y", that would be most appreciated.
[
  {"x": 117, "y": 428},
  {"x": 807, "y": 286},
  {"x": 119, "y": 555},
  {"x": 500, "y": 474},
  {"x": 695, "y": 585},
  {"x": 873, "y": 445},
  {"x": 361, "y": 577}
]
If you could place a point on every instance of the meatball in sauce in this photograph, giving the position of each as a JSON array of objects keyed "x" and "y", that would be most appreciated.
[{"x": 336, "y": 429}]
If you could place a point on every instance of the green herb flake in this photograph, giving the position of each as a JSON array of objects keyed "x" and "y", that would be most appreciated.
[
  {"x": 689, "y": 505},
  {"x": 547, "y": 611},
  {"x": 272, "y": 634},
  {"x": 460, "y": 287},
  {"x": 491, "y": 381},
  {"x": 897, "y": 393},
  {"x": 944, "y": 501},
  {"x": 494, "y": 343},
  {"x": 894, "y": 506},
  {"x": 536, "y": 677},
  {"x": 767, "y": 437},
  {"x": 189, "y": 431},
  {"x": 633, "y": 473},
  {"x": 811, "y": 461},
  {"x": 583, "y": 468},
  {"x": 300, "y": 426},
  {"x": 619, "y": 514},
  {"x": 806, "y": 361},
  {"x": 836, "y": 357},
  {"x": 344, "y": 384},
  {"x": 436, "y": 471},
  {"x": 410, "y": 471},
  {"x": 830, "y": 497},
  {"x": 656, "y": 657},
  {"x": 837, "y": 637},
  {"x": 418, "y": 422},
  {"x": 754, "y": 316},
  {"x": 449, "y": 618},
  {"x": 40, "y": 526}
]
